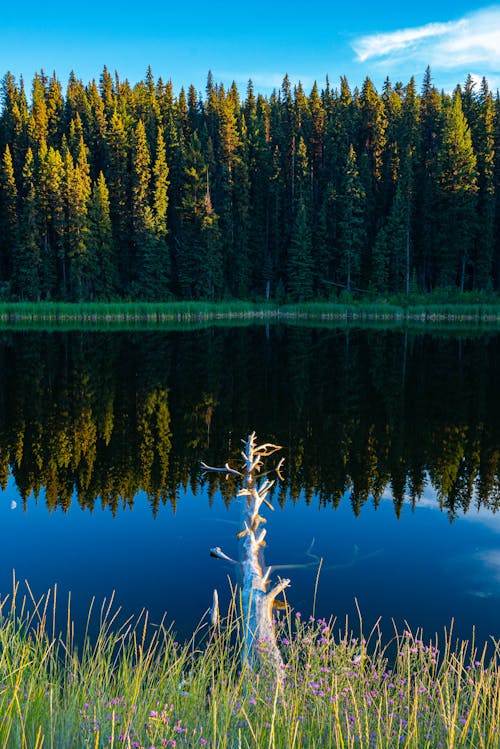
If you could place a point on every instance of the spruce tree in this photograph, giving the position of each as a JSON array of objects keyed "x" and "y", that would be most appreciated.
[
  {"x": 427, "y": 217},
  {"x": 118, "y": 181},
  {"x": 101, "y": 254},
  {"x": 78, "y": 190},
  {"x": 300, "y": 263},
  {"x": 154, "y": 270},
  {"x": 142, "y": 215},
  {"x": 483, "y": 138},
  {"x": 351, "y": 224},
  {"x": 8, "y": 217},
  {"x": 38, "y": 118},
  {"x": 14, "y": 122},
  {"x": 50, "y": 209},
  {"x": 199, "y": 257},
  {"x": 457, "y": 193},
  {"x": 26, "y": 261}
]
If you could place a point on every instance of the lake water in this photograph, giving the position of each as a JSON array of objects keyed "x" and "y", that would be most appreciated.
[{"x": 392, "y": 473}]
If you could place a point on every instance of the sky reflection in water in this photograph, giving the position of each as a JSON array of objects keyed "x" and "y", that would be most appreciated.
[{"x": 420, "y": 568}]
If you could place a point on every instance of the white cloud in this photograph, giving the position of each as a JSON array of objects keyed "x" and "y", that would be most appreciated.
[
  {"x": 382, "y": 45},
  {"x": 470, "y": 42},
  {"x": 490, "y": 558}
]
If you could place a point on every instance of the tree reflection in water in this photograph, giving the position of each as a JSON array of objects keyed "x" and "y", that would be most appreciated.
[{"x": 91, "y": 416}]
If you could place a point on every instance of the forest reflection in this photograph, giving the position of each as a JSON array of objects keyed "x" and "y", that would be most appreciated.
[{"x": 99, "y": 417}]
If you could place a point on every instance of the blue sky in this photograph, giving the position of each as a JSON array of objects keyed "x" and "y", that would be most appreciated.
[{"x": 258, "y": 40}]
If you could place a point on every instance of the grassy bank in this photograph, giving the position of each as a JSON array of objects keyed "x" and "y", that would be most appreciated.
[
  {"x": 180, "y": 314},
  {"x": 135, "y": 686}
]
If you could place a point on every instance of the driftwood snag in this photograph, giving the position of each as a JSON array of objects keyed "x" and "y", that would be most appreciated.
[{"x": 258, "y": 603}]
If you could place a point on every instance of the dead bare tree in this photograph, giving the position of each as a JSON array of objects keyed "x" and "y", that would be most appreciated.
[{"x": 258, "y": 603}]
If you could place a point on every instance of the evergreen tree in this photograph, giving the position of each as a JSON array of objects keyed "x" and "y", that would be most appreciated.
[
  {"x": 426, "y": 208},
  {"x": 483, "y": 138},
  {"x": 351, "y": 224},
  {"x": 300, "y": 263},
  {"x": 38, "y": 119},
  {"x": 497, "y": 192},
  {"x": 53, "y": 267},
  {"x": 102, "y": 260},
  {"x": 118, "y": 180},
  {"x": 142, "y": 215},
  {"x": 199, "y": 258},
  {"x": 14, "y": 122},
  {"x": 78, "y": 190},
  {"x": 259, "y": 171},
  {"x": 457, "y": 191},
  {"x": 55, "y": 109},
  {"x": 247, "y": 183},
  {"x": 8, "y": 217},
  {"x": 26, "y": 261},
  {"x": 391, "y": 257},
  {"x": 154, "y": 266}
]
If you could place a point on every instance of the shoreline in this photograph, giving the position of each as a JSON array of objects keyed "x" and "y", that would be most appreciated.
[{"x": 165, "y": 315}]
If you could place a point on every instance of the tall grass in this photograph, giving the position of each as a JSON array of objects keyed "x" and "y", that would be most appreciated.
[
  {"x": 408, "y": 311},
  {"x": 133, "y": 685}
]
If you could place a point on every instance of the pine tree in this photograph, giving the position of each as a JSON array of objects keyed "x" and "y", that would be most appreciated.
[
  {"x": 422, "y": 174},
  {"x": 97, "y": 131},
  {"x": 483, "y": 138},
  {"x": 38, "y": 119},
  {"x": 50, "y": 209},
  {"x": 154, "y": 266},
  {"x": 55, "y": 109},
  {"x": 78, "y": 190},
  {"x": 101, "y": 254},
  {"x": 199, "y": 258},
  {"x": 259, "y": 170},
  {"x": 497, "y": 192},
  {"x": 14, "y": 122},
  {"x": 351, "y": 224},
  {"x": 427, "y": 217},
  {"x": 142, "y": 215},
  {"x": 118, "y": 180},
  {"x": 26, "y": 261},
  {"x": 300, "y": 263},
  {"x": 8, "y": 217},
  {"x": 457, "y": 191},
  {"x": 391, "y": 257}
]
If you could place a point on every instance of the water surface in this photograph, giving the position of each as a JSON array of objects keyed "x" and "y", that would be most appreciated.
[{"x": 392, "y": 448}]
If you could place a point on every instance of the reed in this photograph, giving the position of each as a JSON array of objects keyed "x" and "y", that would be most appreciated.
[
  {"x": 134, "y": 685},
  {"x": 172, "y": 315}
]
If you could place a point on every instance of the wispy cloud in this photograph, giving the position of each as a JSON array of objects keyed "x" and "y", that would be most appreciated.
[
  {"x": 407, "y": 40},
  {"x": 469, "y": 42}
]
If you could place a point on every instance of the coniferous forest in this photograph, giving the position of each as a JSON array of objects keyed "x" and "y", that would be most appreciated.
[{"x": 112, "y": 191}]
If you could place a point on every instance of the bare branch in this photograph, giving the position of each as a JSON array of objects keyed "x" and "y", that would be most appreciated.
[
  {"x": 214, "y": 610},
  {"x": 267, "y": 503},
  {"x": 278, "y": 469},
  {"x": 225, "y": 469},
  {"x": 278, "y": 589},
  {"x": 217, "y": 552},
  {"x": 264, "y": 488},
  {"x": 267, "y": 449}
]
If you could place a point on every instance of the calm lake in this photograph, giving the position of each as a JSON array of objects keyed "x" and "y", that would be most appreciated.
[{"x": 392, "y": 474}]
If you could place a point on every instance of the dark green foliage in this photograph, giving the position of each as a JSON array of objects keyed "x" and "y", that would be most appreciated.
[
  {"x": 102, "y": 263},
  {"x": 300, "y": 266},
  {"x": 457, "y": 197},
  {"x": 8, "y": 216},
  {"x": 112, "y": 191},
  {"x": 351, "y": 224},
  {"x": 26, "y": 261}
]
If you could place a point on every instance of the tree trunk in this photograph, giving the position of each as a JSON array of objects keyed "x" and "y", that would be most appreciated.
[{"x": 260, "y": 647}]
